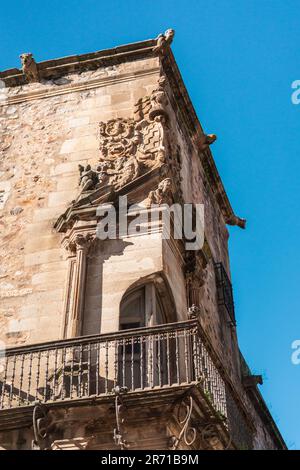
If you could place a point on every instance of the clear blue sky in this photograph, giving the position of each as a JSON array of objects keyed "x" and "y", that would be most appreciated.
[{"x": 238, "y": 59}]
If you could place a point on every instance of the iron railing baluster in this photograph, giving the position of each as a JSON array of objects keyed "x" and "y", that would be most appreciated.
[
  {"x": 71, "y": 373},
  {"x": 159, "y": 360},
  {"x": 142, "y": 361},
  {"x": 116, "y": 348},
  {"x": 29, "y": 377},
  {"x": 132, "y": 363},
  {"x": 63, "y": 378},
  {"x": 168, "y": 359},
  {"x": 150, "y": 365},
  {"x": 177, "y": 357},
  {"x": 4, "y": 384},
  {"x": 124, "y": 362},
  {"x": 12, "y": 381},
  {"x": 54, "y": 378},
  {"x": 37, "y": 375},
  {"x": 21, "y": 378},
  {"x": 106, "y": 367},
  {"x": 46, "y": 375},
  {"x": 89, "y": 371},
  {"x": 80, "y": 378},
  {"x": 186, "y": 357},
  {"x": 97, "y": 368}
]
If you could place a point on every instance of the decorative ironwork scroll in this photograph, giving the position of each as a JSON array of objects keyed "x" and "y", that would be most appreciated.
[
  {"x": 119, "y": 407},
  {"x": 188, "y": 433},
  {"x": 40, "y": 424}
]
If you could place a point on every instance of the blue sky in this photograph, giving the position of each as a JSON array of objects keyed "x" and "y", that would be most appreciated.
[{"x": 238, "y": 59}]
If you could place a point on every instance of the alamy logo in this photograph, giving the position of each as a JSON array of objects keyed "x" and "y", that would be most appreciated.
[
  {"x": 296, "y": 354},
  {"x": 295, "y": 97},
  {"x": 182, "y": 222}
]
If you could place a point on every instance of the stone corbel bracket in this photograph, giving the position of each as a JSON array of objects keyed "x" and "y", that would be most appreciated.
[{"x": 251, "y": 381}]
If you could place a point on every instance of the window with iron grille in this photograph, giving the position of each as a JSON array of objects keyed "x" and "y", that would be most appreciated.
[{"x": 224, "y": 291}]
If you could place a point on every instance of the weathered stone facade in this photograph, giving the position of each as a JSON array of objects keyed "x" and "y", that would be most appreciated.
[{"x": 75, "y": 133}]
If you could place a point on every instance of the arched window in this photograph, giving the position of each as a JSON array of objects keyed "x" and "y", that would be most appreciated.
[
  {"x": 143, "y": 361},
  {"x": 140, "y": 307}
]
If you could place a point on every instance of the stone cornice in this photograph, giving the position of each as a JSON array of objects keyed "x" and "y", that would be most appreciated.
[
  {"x": 88, "y": 84},
  {"x": 52, "y": 69}
]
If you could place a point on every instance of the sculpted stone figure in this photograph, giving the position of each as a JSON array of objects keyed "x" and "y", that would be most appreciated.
[
  {"x": 158, "y": 101},
  {"x": 29, "y": 67},
  {"x": 89, "y": 178},
  {"x": 163, "y": 193},
  {"x": 125, "y": 170},
  {"x": 195, "y": 276},
  {"x": 104, "y": 171},
  {"x": 164, "y": 41},
  {"x": 122, "y": 171}
]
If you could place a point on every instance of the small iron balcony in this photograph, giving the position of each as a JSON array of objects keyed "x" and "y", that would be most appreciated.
[{"x": 224, "y": 291}]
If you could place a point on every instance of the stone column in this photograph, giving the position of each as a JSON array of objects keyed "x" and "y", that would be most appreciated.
[{"x": 75, "y": 296}]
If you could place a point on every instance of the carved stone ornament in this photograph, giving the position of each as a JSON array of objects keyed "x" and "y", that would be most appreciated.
[
  {"x": 131, "y": 147},
  {"x": 206, "y": 140},
  {"x": 194, "y": 312},
  {"x": 89, "y": 179},
  {"x": 82, "y": 242},
  {"x": 29, "y": 67},
  {"x": 210, "y": 436},
  {"x": 196, "y": 263},
  {"x": 163, "y": 193},
  {"x": 234, "y": 220},
  {"x": 120, "y": 160},
  {"x": 195, "y": 276}
]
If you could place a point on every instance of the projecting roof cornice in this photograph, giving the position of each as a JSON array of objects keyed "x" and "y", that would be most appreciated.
[{"x": 54, "y": 69}]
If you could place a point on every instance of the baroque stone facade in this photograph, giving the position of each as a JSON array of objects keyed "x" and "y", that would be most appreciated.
[{"x": 135, "y": 330}]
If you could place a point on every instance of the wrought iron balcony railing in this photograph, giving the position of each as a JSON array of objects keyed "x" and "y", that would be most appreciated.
[
  {"x": 139, "y": 359},
  {"x": 142, "y": 359}
]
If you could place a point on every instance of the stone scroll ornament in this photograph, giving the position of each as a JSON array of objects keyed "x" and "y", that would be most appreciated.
[{"x": 133, "y": 146}]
